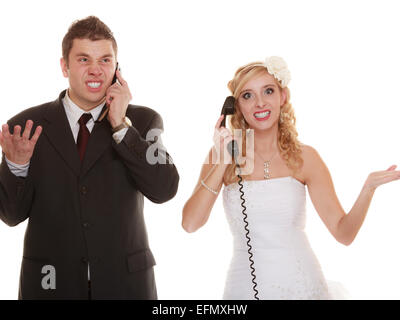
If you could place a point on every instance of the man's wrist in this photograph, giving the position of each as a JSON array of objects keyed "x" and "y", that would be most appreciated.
[
  {"x": 16, "y": 162},
  {"x": 19, "y": 170},
  {"x": 126, "y": 123},
  {"x": 115, "y": 124}
]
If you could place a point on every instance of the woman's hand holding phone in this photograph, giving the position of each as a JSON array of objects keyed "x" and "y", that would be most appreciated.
[{"x": 222, "y": 136}]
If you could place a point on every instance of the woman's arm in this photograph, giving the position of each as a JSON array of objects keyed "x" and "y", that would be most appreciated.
[
  {"x": 198, "y": 208},
  {"x": 344, "y": 227}
]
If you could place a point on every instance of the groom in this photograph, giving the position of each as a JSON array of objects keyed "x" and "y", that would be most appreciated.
[{"x": 79, "y": 168}]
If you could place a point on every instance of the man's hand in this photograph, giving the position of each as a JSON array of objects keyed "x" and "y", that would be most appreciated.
[
  {"x": 117, "y": 98},
  {"x": 17, "y": 148}
]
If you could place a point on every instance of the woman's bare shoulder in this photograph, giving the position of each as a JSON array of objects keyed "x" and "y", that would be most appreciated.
[
  {"x": 312, "y": 162},
  {"x": 309, "y": 153}
]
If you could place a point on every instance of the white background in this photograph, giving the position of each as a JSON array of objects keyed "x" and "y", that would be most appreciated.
[{"x": 177, "y": 57}]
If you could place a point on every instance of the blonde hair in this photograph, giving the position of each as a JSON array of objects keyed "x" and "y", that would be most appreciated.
[{"x": 288, "y": 144}]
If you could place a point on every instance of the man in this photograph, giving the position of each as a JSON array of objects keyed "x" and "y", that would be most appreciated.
[{"x": 80, "y": 177}]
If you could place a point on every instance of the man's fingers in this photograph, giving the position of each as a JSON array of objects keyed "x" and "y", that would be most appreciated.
[
  {"x": 114, "y": 90},
  {"x": 17, "y": 132},
  {"x": 109, "y": 98},
  {"x": 28, "y": 128},
  {"x": 37, "y": 133},
  {"x": 120, "y": 79},
  {"x": 6, "y": 133}
]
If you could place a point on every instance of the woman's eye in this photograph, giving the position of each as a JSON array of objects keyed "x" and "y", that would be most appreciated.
[
  {"x": 269, "y": 91},
  {"x": 247, "y": 95}
]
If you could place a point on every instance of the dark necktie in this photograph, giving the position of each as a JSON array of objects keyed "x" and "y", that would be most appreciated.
[{"x": 83, "y": 135}]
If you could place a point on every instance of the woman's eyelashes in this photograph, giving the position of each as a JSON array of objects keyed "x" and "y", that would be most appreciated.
[
  {"x": 248, "y": 95},
  {"x": 269, "y": 91}
]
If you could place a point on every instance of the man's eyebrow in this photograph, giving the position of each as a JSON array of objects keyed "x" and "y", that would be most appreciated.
[
  {"x": 83, "y": 54},
  {"x": 80, "y": 54},
  {"x": 108, "y": 55}
]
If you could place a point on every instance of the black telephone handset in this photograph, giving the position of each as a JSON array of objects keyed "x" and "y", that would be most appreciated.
[
  {"x": 229, "y": 109},
  {"x": 114, "y": 80}
]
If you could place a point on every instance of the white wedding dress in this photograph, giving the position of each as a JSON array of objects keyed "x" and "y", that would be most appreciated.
[{"x": 285, "y": 265}]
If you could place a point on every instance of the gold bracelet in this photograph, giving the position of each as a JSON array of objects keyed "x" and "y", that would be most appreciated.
[{"x": 208, "y": 188}]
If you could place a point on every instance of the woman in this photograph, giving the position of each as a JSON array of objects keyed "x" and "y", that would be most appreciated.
[{"x": 274, "y": 259}]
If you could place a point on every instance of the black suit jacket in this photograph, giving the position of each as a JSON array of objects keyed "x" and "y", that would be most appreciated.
[{"x": 89, "y": 212}]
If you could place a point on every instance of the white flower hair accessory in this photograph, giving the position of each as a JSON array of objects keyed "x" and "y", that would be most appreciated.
[{"x": 279, "y": 69}]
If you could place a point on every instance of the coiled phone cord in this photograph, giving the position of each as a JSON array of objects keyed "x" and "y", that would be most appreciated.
[{"x": 253, "y": 270}]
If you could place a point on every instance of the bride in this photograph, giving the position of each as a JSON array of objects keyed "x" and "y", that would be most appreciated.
[{"x": 272, "y": 257}]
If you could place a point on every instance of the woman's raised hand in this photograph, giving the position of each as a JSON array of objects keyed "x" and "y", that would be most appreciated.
[{"x": 375, "y": 179}]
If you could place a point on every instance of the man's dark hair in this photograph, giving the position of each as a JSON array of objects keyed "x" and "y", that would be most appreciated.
[{"x": 91, "y": 28}]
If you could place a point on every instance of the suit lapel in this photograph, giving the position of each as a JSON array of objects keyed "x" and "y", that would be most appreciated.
[{"x": 58, "y": 131}]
